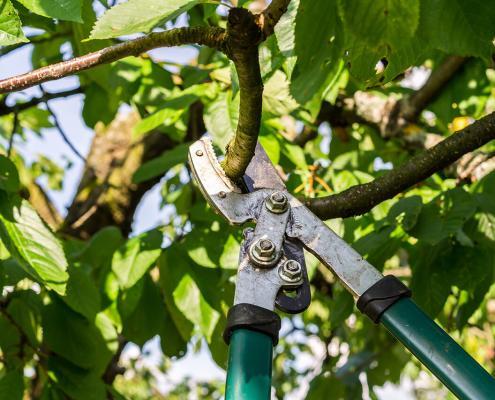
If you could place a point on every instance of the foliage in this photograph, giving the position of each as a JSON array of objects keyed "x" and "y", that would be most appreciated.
[{"x": 69, "y": 302}]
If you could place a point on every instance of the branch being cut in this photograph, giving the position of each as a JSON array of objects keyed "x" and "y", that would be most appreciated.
[
  {"x": 208, "y": 36},
  {"x": 243, "y": 37},
  {"x": 362, "y": 198}
]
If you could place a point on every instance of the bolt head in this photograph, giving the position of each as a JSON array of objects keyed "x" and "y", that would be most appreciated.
[
  {"x": 277, "y": 202},
  {"x": 291, "y": 271},
  {"x": 199, "y": 153}
]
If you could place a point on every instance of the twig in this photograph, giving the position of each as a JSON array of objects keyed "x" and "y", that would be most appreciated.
[
  {"x": 35, "y": 39},
  {"x": 4, "y": 109},
  {"x": 14, "y": 128},
  {"x": 362, "y": 198},
  {"x": 432, "y": 87},
  {"x": 60, "y": 129}
]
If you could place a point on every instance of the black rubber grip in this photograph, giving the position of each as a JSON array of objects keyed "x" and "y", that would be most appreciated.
[
  {"x": 255, "y": 318},
  {"x": 379, "y": 297}
]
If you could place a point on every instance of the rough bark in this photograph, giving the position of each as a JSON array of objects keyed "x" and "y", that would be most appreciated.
[{"x": 106, "y": 194}]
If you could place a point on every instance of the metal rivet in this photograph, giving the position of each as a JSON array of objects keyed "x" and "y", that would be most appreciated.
[
  {"x": 199, "y": 153},
  {"x": 222, "y": 195}
]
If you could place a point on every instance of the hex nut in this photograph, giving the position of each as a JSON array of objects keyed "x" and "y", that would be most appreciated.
[
  {"x": 263, "y": 252},
  {"x": 291, "y": 271},
  {"x": 277, "y": 202}
]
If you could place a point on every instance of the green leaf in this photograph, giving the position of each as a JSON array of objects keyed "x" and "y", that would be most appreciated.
[
  {"x": 277, "y": 99},
  {"x": 9, "y": 177},
  {"x": 466, "y": 26},
  {"x": 99, "y": 250},
  {"x": 444, "y": 216},
  {"x": 86, "y": 347},
  {"x": 433, "y": 275},
  {"x": 32, "y": 243},
  {"x": 170, "y": 113},
  {"x": 406, "y": 211},
  {"x": 99, "y": 104},
  {"x": 66, "y": 10},
  {"x": 12, "y": 385},
  {"x": 35, "y": 119},
  {"x": 10, "y": 25},
  {"x": 147, "y": 317},
  {"x": 78, "y": 383},
  {"x": 318, "y": 45},
  {"x": 138, "y": 16},
  {"x": 191, "y": 302},
  {"x": 221, "y": 117},
  {"x": 381, "y": 22},
  {"x": 25, "y": 311},
  {"x": 381, "y": 29},
  {"x": 10, "y": 341},
  {"x": 81, "y": 294},
  {"x": 132, "y": 260},
  {"x": 160, "y": 165}
]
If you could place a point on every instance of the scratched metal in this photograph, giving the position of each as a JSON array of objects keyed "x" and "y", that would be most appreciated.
[
  {"x": 355, "y": 273},
  {"x": 271, "y": 226},
  {"x": 258, "y": 286}
]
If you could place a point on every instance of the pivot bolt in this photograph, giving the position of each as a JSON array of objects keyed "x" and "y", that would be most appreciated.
[
  {"x": 291, "y": 271},
  {"x": 263, "y": 252},
  {"x": 277, "y": 203}
]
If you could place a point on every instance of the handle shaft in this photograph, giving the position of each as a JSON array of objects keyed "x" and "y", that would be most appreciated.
[
  {"x": 448, "y": 361},
  {"x": 249, "y": 370}
]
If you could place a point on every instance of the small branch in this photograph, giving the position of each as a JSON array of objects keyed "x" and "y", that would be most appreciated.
[
  {"x": 409, "y": 109},
  {"x": 11, "y": 138},
  {"x": 35, "y": 39},
  {"x": 271, "y": 15},
  {"x": 4, "y": 109},
  {"x": 208, "y": 36},
  {"x": 360, "y": 199},
  {"x": 56, "y": 122},
  {"x": 432, "y": 87}
]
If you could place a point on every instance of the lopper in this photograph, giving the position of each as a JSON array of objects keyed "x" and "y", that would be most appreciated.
[{"x": 271, "y": 264}]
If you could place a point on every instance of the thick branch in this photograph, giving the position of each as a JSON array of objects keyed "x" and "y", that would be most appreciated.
[
  {"x": 362, "y": 198},
  {"x": 208, "y": 36}
]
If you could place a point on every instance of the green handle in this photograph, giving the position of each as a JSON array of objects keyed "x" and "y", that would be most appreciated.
[
  {"x": 438, "y": 351},
  {"x": 249, "y": 370}
]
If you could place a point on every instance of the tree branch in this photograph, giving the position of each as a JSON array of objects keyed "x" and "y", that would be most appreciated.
[
  {"x": 362, "y": 198},
  {"x": 208, "y": 36},
  {"x": 267, "y": 19},
  {"x": 243, "y": 37},
  {"x": 35, "y": 39},
  {"x": 412, "y": 107},
  {"x": 47, "y": 96},
  {"x": 61, "y": 131}
]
